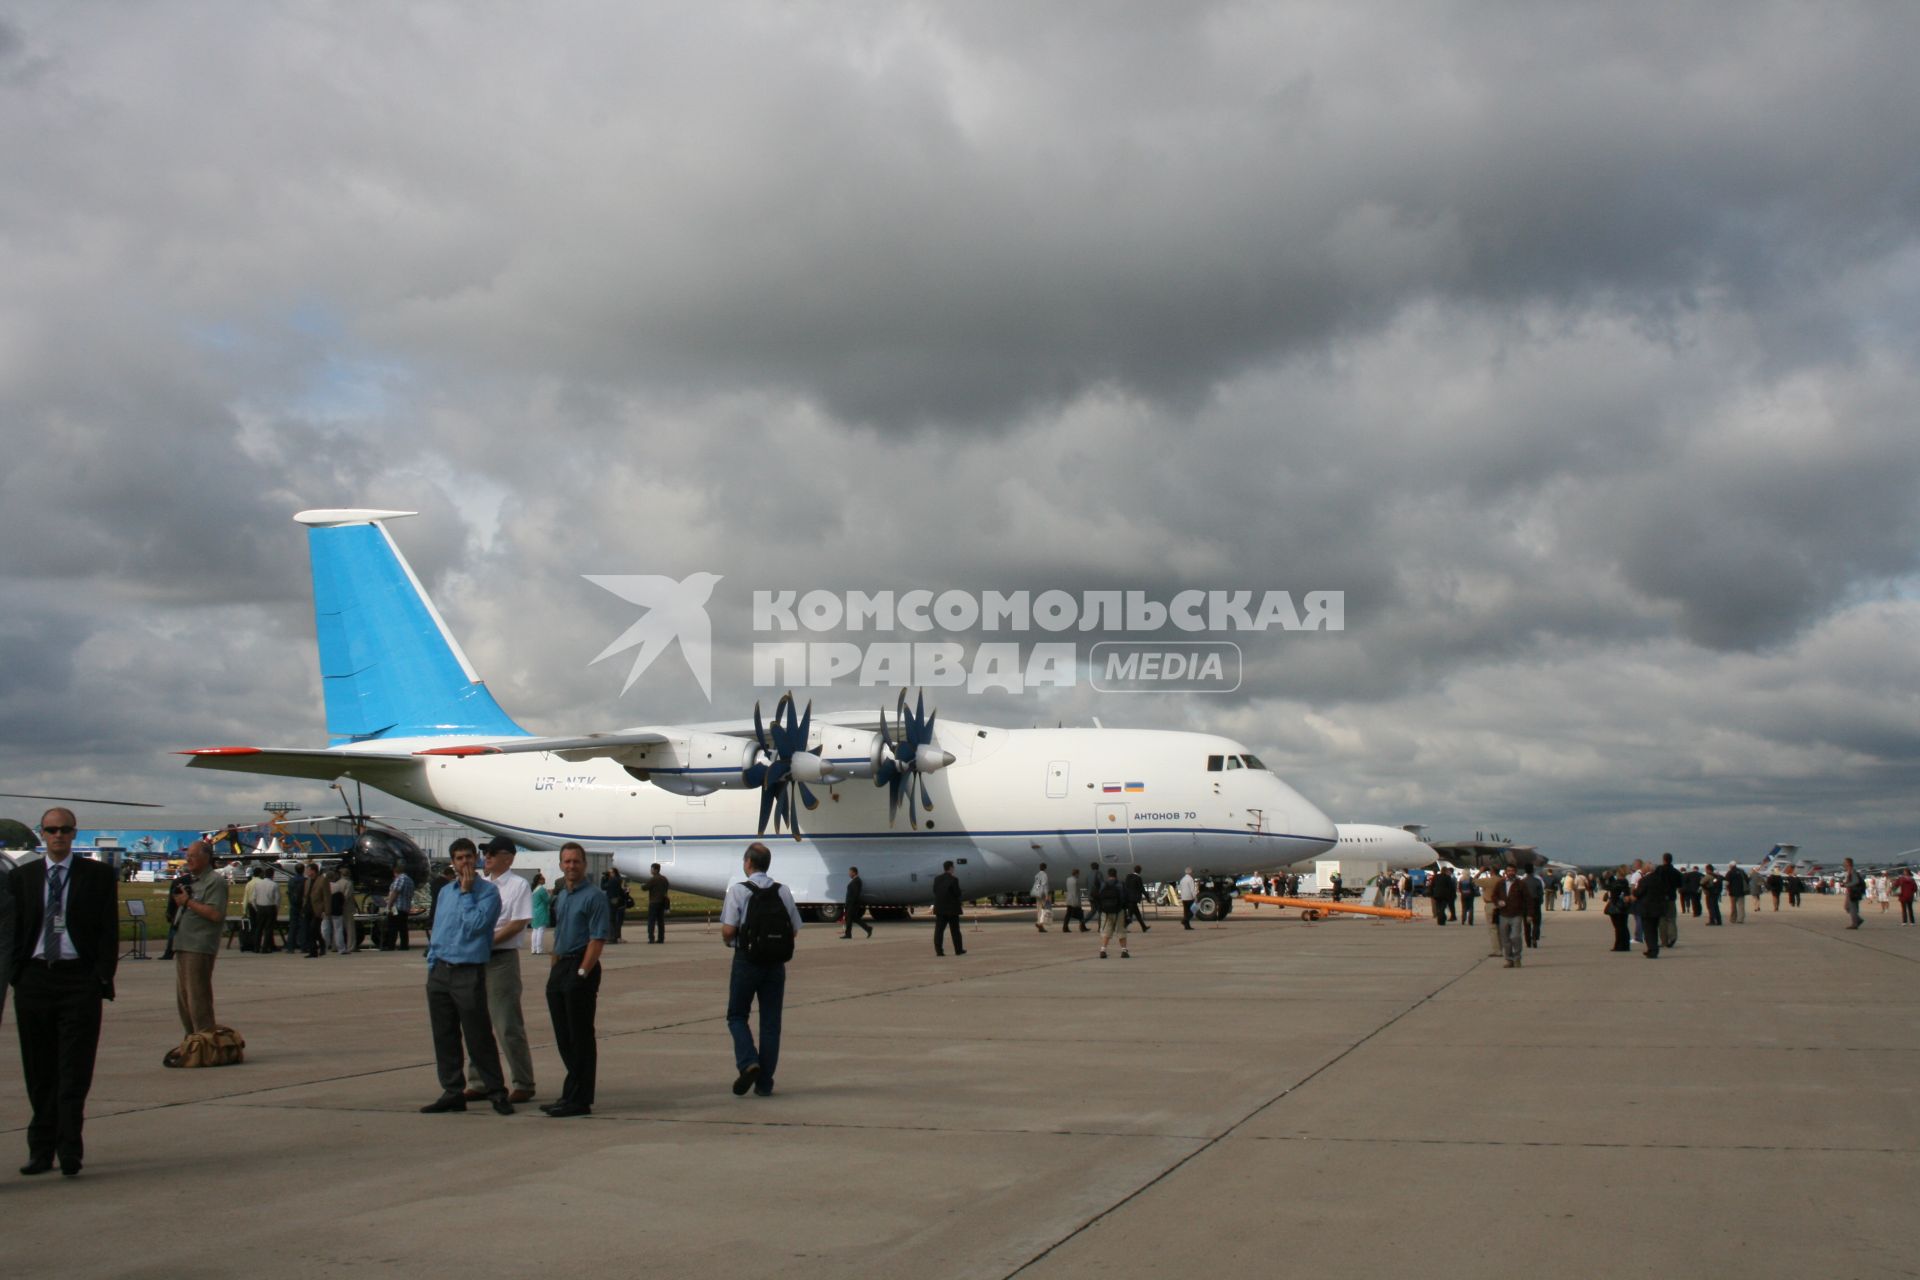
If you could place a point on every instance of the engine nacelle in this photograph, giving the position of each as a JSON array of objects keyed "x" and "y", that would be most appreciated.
[
  {"x": 693, "y": 764},
  {"x": 678, "y": 783},
  {"x": 844, "y": 753}
]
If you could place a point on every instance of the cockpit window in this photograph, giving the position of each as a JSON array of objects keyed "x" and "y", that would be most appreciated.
[
  {"x": 1233, "y": 762},
  {"x": 1253, "y": 762},
  {"x": 1215, "y": 763}
]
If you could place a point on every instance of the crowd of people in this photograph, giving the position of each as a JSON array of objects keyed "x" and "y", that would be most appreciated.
[{"x": 59, "y": 945}]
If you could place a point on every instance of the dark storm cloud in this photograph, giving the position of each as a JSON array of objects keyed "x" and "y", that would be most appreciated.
[{"x": 1574, "y": 343}]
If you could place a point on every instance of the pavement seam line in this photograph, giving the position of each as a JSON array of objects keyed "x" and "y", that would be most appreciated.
[
  {"x": 1229, "y": 1131},
  {"x": 1852, "y": 942}
]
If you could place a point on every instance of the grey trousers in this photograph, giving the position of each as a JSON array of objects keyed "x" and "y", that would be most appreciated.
[
  {"x": 457, "y": 1009},
  {"x": 1513, "y": 938},
  {"x": 509, "y": 1028},
  {"x": 1670, "y": 923}
]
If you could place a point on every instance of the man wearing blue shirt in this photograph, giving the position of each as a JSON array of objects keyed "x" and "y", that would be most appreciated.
[
  {"x": 751, "y": 980},
  {"x": 463, "y": 919},
  {"x": 399, "y": 913},
  {"x": 580, "y": 922}
]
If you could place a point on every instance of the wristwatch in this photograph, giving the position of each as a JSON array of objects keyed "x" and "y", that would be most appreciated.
[{"x": 581, "y": 972}]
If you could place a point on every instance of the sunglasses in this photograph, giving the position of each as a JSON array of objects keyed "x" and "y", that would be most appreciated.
[{"x": 59, "y": 831}]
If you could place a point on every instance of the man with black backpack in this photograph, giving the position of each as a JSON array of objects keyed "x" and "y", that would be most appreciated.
[{"x": 759, "y": 921}]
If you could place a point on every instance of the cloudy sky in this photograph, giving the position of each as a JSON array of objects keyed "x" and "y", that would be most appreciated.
[{"x": 1578, "y": 344}]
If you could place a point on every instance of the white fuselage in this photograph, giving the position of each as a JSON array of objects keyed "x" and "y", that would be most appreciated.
[
  {"x": 1372, "y": 848},
  {"x": 1012, "y": 799}
]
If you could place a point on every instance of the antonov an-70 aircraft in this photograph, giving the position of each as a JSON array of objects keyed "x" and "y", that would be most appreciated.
[{"x": 894, "y": 794}]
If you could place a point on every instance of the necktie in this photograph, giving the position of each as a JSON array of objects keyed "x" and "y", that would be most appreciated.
[{"x": 56, "y": 905}]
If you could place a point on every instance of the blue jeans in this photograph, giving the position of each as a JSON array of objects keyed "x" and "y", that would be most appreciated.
[{"x": 769, "y": 983}]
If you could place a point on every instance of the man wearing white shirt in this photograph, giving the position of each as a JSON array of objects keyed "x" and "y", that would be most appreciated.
[
  {"x": 1042, "y": 899},
  {"x": 503, "y": 973},
  {"x": 263, "y": 908},
  {"x": 1189, "y": 891}
]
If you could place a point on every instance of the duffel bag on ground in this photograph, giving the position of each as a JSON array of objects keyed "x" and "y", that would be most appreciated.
[{"x": 220, "y": 1047}]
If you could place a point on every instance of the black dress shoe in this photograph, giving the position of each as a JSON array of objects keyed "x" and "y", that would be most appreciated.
[
  {"x": 561, "y": 1110},
  {"x": 39, "y": 1164},
  {"x": 69, "y": 1168},
  {"x": 445, "y": 1102},
  {"x": 501, "y": 1106},
  {"x": 549, "y": 1106},
  {"x": 744, "y": 1081}
]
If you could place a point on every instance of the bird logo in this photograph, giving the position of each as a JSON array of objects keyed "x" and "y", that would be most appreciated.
[{"x": 674, "y": 611}]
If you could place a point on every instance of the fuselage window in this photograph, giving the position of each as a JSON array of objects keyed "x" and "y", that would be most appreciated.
[
  {"x": 1233, "y": 762},
  {"x": 1253, "y": 762},
  {"x": 1215, "y": 763}
]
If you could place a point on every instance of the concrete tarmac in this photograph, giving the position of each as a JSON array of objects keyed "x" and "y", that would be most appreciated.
[{"x": 1263, "y": 1095}]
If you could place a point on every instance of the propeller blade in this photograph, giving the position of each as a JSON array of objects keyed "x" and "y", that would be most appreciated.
[
  {"x": 893, "y": 803},
  {"x": 807, "y": 797},
  {"x": 926, "y": 796},
  {"x": 759, "y": 733},
  {"x": 766, "y": 805}
]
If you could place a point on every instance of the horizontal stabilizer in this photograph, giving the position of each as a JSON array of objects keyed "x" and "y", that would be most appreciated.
[{"x": 293, "y": 762}]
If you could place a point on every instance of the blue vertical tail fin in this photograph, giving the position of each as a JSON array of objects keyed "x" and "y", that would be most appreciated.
[{"x": 389, "y": 668}]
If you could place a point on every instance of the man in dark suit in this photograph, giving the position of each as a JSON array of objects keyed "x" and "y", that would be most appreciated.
[
  {"x": 946, "y": 910},
  {"x": 66, "y": 942},
  {"x": 6, "y": 940},
  {"x": 856, "y": 904},
  {"x": 1136, "y": 891}
]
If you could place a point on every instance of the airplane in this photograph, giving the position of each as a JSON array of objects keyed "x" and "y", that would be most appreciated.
[
  {"x": 408, "y": 715},
  {"x": 1364, "y": 850},
  {"x": 1394, "y": 848}
]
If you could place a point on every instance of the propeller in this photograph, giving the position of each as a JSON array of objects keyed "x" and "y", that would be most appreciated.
[
  {"x": 908, "y": 756},
  {"x": 782, "y": 762}
]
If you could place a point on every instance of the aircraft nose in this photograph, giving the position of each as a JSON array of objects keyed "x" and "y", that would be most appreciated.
[
  {"x": 1316, "y": 825},
  {"x": 1303, "y": 817}
]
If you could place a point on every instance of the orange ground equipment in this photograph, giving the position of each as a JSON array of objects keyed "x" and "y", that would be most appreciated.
[{"x": 1314, "y": 908}]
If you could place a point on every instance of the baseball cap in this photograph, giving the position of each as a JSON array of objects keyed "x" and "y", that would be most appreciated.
[{"x": 499, "y": 844}]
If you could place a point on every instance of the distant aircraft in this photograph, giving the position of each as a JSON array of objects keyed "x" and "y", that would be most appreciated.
[
  {"x": 1394, "y": 848},
  {"x": 408, "y": 715}
]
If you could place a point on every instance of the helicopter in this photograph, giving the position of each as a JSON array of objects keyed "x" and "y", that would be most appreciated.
[{"x": 377, "y": 852}]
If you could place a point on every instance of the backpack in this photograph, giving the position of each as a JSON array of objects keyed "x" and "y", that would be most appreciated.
[
  {"x": 1111, "y": 897},
  {"x": 766, "y": 935}
]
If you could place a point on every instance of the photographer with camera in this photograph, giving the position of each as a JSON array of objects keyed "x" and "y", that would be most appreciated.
[{"x": 199, "y": 899}]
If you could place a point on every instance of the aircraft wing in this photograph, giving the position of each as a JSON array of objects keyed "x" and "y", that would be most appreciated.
[
  {"x": 588, "y": 747},
  {"x": 293, "y": 762}
]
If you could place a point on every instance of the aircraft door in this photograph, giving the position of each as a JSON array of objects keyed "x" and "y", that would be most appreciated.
[
  {"x": 662, "y": 846},
  {"x": 1057, "y": 771},
  {"x": 1113, "y": 836}
]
